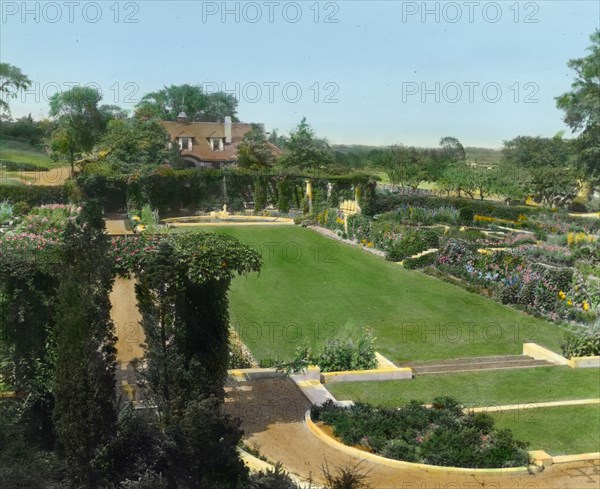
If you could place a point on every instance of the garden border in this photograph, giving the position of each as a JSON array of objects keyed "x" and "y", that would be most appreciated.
[
  {"x": 541, "y": 353},
  {"x": 400, "y": 464}
]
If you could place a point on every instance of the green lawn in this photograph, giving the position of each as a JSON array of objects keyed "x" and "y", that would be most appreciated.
[
  {"x": 519, "y": 386},
  {"x": 312, "y": 289},
  {"x": 565, "y": 430},
  {"x": 23, "y": 153}
]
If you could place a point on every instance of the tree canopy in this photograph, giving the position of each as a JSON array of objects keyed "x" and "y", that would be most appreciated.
[
  {"x": 304, "y": 150},
  {"x": 199, "y": 106},
  {"x": 12, "y": 79},
  {"x": 582, "y": 108},
  {"x": 79, "y": 122},
  {"x": 254, "y": 151}
]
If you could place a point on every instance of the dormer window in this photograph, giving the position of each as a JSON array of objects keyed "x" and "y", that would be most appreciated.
[
  {"x": 216, "y": 144},
  {"x": 185, "y": 143}
]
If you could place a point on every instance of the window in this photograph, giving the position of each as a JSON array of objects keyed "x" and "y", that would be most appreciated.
[
  {"x": 216, "y": 144},
  {"x": 185, "y": 143}
]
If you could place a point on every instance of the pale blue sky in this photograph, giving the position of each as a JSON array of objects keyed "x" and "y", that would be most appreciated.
[{"x": 394, "y": 71}]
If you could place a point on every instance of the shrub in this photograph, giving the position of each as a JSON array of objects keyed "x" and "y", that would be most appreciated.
[
  {"x": 6, "y": 212},
  {"x": 275, "y": 478},
  {"x": 466, "y": 215},
  {"x": 336, "y": 355},
  {"x": 33, "y": 194},
  {"x": 413, "y": 242},
  {"x": 21, "y": 208},
  {"x": 578, "y": 205},
  {"x": 583, "y": 343},
  {"x": 440, "y": 435},
  {"x": 18, "y": 166}
]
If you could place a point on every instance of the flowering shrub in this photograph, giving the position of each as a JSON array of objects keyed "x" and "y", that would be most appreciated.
[
  {"x": 409, "y": 214},
  {"x": 51, "y": 217},
  {"x": 439, "y": 435},
  {"x": 555, "y": 292}
]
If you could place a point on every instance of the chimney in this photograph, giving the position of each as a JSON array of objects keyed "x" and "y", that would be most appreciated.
[{"x": 227, "y": 126}]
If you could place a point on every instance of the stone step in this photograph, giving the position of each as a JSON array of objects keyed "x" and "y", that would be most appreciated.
[
  {"x": 466, "y": 360},
  {"x": 483, "y": 369},
  {"x": 478, "y": 364}
]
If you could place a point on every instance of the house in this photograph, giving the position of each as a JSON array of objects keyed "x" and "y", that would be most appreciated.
[{"x": 208, "y": 144}]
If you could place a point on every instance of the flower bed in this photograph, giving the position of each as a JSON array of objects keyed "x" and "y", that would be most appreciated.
[{"x": 439, "y": 435}]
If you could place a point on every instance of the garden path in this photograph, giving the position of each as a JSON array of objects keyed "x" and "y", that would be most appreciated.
[{"x": 272, "y": 413}]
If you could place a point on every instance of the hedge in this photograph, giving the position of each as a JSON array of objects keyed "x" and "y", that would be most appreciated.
[
  {"x": 168, "y": 189},
  {"x": 33, "y": 194},
  {"x": 16, "y": 166},
  {"x": 385, "y": 203}
]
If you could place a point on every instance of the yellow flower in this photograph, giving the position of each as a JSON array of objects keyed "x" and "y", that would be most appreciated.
[
  {"x": 569, "y": 302},
  {"x": 562, "y": 295},
  {"x": 136, "y": 218},
  {"x": 586, "y": 306}
]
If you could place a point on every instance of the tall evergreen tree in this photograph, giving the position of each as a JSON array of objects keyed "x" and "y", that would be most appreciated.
[{"x": 84, "y": 345}]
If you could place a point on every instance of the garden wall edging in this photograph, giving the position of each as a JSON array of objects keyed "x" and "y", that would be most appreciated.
[
  {"x": 540, "y": 353},
  {"x": 359, "y": 454}
]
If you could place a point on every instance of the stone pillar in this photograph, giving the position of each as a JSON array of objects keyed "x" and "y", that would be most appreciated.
[{"x": 309, "y": 194}]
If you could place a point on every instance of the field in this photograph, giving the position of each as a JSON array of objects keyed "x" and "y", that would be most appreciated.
[
  {"x": 312, "y": 289},
  {"x": 519, "y": 386}
]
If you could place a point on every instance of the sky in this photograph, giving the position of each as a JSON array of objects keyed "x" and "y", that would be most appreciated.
[{"x": 361, "y": 72}]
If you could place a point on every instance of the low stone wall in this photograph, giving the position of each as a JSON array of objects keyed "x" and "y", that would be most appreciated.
[
  {"x": 400, "y": 464},
  {"x": 356, "y": 375},
  {"x": 540, "y": 353},
  {"x": 585, "y": 362}
]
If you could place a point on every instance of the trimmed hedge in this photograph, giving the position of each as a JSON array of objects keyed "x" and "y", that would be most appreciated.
[
  {"x": 414, "y": 241},
  {"x": 34, "y": 195},
  {"x": 168, "y": 189},
  {"x": 16, "y": 166},
  {"x": 385, "y": 203}
]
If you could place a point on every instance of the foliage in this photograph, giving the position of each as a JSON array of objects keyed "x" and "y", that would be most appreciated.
[
  {"x": 132, "y": 144},
  {"x": 583, "y": 342},
  {"x": 304, "y": 150},
  {"x": 79, "y": 122},
  {"x": 6, "y": 212},
  {"x": 260, "y": 194},
  {"x": 254, "y": 152},
  {"x": 32, "y": 194},
  {"x": 337, "y": 355},
  {"x": 546, "y": 165},
  {"x": 385, "y": 203},
  {"x": 167, "y": 103},
  {"x": 345, "y": 477},
  {"x": 239, "y": 354},
  {"x": 275, "y": 478},
  {"x": 440, "y": 435},
  {"x": 21, "y": 166},
  {"x": 412, "y": 242},
  {"x": 12, "y": 80},
  {"x": 582, "y": 108},
  {"x": 84, "y": 365}
]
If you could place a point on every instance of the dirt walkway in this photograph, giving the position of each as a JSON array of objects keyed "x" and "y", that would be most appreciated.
[
  {"x": 272, "y": 414},
  {"x": 51, "y": 178},
  {"x": 115, "y": 225}
]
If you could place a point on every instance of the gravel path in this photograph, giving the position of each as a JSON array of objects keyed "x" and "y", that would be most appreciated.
[{"x": 272, "y": 414}]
